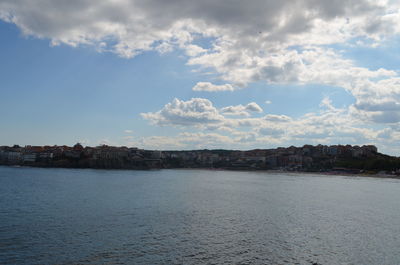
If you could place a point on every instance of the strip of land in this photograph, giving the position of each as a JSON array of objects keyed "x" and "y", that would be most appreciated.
[{"x": 334, "y": 159}]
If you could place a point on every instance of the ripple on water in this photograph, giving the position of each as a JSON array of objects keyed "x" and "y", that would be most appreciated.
[{"x": 50, "y": 216}]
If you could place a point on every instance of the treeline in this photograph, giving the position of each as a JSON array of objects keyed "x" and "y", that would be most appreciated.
[{"x": 378, "y": 163}]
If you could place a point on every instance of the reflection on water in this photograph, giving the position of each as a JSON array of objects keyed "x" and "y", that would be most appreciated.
[{"x": 60, "y": 216}]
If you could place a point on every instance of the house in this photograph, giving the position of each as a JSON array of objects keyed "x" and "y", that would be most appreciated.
[
  {"x": 29, "y": 157},
  {"x": 14, "y": 157}
]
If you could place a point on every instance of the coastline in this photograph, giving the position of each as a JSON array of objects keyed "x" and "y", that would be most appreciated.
[
  {"x": 328, "y": 160},
  {"x": 268, "y": 171}
]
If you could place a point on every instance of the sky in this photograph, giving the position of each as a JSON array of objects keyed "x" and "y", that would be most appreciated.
[{"x": 189, "y": 74}]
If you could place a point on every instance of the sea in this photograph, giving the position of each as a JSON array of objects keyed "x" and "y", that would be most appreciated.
[{"x": 86, "y": 216}]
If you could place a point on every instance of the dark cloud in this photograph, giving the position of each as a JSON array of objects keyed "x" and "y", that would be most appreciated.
[{"x": 88, "y": 21}]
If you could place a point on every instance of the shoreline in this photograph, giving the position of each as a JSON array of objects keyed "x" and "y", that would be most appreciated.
[
  {"x": 272, "y": 171},
  {"x": 275, "y": 171}
]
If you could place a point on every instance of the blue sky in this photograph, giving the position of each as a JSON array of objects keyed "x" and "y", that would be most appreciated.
[{"x": 205, "y": 76}]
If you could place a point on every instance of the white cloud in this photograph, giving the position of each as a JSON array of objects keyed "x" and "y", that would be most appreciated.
[
  {"x": 159, "y": 143},
  {"x": 252, "y": 106},
  {"x": 194, "y": 50},
  {"x": 271, "y": 131},
  {"x": 128, "y": 27},
  {"x": 209, "y": 87},
  {"x": 185, "y": 140},
  {"x": 327, "y": 103},
  {"x": 265, "y": 40},
  {"x": 197, "y": 111},
  {"x": 240, "y": 110},
  {"x": 277, "y": 118},
  {"x": 328, "y": 126},
  {"x": 378, "y": 102}
]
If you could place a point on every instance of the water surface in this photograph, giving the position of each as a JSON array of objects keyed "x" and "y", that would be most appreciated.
[{"x": 71, "y": 216}]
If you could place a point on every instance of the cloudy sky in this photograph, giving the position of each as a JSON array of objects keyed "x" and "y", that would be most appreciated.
[{"x": 189, "y": 74}]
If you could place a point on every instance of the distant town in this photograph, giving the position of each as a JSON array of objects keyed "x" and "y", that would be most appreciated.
[{"x": 308, "y": 158}]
